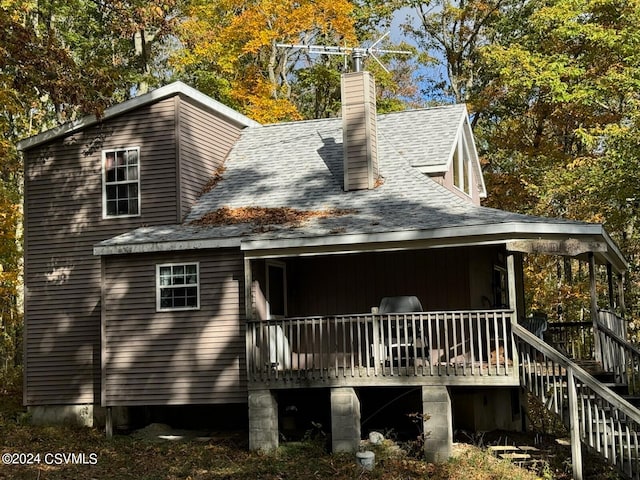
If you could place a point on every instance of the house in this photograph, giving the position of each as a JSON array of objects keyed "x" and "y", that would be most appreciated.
[{"x": 178, "y": 253}]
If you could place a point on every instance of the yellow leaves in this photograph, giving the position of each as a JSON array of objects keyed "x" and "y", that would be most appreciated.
[
  {"x": 236, "y": 41},
  {"x": 256, "y": 96}
]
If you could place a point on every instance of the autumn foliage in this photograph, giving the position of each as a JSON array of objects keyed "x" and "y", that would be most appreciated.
[{"x": 232, "y": 53}]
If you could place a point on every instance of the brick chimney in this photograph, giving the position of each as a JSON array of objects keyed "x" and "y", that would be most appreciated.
[{"x": 360, "y": 135}]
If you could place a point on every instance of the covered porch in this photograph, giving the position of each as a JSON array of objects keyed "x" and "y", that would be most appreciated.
[
  {"x": 316, "y": 320},
  {"x": 425, "y": 316}
]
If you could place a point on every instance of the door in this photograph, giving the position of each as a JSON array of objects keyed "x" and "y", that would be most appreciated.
[{"x": 276, "y": 290}]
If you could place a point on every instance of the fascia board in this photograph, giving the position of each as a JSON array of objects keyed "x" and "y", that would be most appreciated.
[
  {"x": 386, "y": 241},
  {"x": 450, "y": 236},
  {"x": 137, "y": 102},
  {"x": 459, "y": 133},
  {"x": 514, "y": 228},
  {"x": 153, "y": 247},
  {"x": 469, "y": 139}
]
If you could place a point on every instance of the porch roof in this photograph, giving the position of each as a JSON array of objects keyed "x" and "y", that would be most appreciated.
[{"x": 299, "y": 166}]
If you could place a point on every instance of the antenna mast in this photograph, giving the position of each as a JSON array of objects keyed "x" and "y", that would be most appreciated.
[{"x": 358, "y": 54}]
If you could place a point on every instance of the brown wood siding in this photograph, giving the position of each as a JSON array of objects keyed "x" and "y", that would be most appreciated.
[
  {"x": 181, "y": 357},
  {"x": 63, "y": 206},
  {"x": 341, "y": 284},
  {"x": 205, "y": 140}
]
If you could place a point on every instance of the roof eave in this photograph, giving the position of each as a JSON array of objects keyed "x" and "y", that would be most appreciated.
[
  {"x": 106, "y": 249},
  {"x": 489, "y": 234},
  {"x": 433, "y": 238}
]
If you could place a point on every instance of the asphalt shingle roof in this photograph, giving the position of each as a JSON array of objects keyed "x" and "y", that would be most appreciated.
[{"x": 300, "y": 165}]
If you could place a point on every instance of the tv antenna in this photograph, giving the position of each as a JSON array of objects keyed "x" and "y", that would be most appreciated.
[{"x": 358, "y": 54}]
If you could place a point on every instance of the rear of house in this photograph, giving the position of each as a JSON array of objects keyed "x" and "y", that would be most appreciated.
[{"x": 157, "y": 276}]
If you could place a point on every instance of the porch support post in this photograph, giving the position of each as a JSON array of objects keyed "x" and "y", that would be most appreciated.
[
  {"x": 248, "y": 315},
  {"x": 437, "y": 423},
  {"x": 612, "y": 297},
  {"x": 263, "y": 420},
  {"x": 594, "y": 306},
  {"x": 511, "y": 279},
  {"x": 345, "y": 420},
  {"x": 621, "y": 302}
]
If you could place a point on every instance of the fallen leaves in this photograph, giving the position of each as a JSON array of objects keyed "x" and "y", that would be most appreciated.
[
  {"x": 263, "y": 217},
  {"x": 213, "y": 181}
]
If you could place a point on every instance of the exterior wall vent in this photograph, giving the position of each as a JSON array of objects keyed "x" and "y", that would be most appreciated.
[{"x": 360, "y": 132}]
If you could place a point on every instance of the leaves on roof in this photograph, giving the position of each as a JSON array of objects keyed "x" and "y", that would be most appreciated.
[
  {"x": 213, "y": 181},
  {"x": 266, "y": 216}
]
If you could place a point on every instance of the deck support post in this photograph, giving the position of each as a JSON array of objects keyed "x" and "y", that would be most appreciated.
[
  {"x": 345, "y": 420},
  {"x": 594, "y": 306},
  {"x": 263, "y": 420},
  {"x": 437, "y": 423}
]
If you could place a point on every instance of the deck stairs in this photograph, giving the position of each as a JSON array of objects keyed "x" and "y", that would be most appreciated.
[{"x": 596, "y": 399}]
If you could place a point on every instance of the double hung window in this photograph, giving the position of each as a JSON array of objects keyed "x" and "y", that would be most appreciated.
[
  {"x": 178, "y": 286},
  {"x": 121, "y": 182}
]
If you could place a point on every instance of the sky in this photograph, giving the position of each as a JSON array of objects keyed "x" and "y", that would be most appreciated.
[{"x": 436, "y": 71}]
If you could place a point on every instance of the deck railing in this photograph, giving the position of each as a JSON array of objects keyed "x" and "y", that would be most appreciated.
[
  {"x": 574, "y": 339},
  {"x": 594, "y": 414},
  {"x": 448, "y": 343},
  {"x": 618, "y": 356}
]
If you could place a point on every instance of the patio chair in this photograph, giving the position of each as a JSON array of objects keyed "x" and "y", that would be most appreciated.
[
  {"x": 536, "y": 323},
  {"x": 401, "y": 304}
]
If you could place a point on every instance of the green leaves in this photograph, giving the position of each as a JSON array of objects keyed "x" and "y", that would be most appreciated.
[{"x": 561, "y": 101}]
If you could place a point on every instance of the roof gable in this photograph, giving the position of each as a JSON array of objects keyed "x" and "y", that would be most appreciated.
[
  {"x": 438, "y": 131},
  {"x": 176, "y": 88}
]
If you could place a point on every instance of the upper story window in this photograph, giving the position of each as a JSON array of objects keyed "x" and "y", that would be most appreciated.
[
  {"x": 178, "y": 286},
  {"x": 121, "y": 182},
  {"x": 462, "y": 168}
]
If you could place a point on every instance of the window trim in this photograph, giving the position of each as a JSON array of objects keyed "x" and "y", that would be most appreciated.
[
  {"x": 462, "y": 167},
  {"x": 159, "y": 307},
  {"x": 105, "y": 216}
]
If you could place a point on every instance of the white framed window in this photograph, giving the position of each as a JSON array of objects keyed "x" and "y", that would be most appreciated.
[
  {"x": 121, "y": 182},
  {"x": 178, "y": 286},
  {"x": 462, "y": 176}
]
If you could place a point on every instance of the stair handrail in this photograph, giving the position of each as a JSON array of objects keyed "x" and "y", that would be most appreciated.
[
  {"x": 577, "y": 416},
  {"x": 579, "y": 372},
  {"x": 618, "y": 339},
  {"x": 631, "y": 350}
]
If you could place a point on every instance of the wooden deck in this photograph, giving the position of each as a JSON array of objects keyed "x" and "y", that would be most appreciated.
[{"x": 424, "y": 348}]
